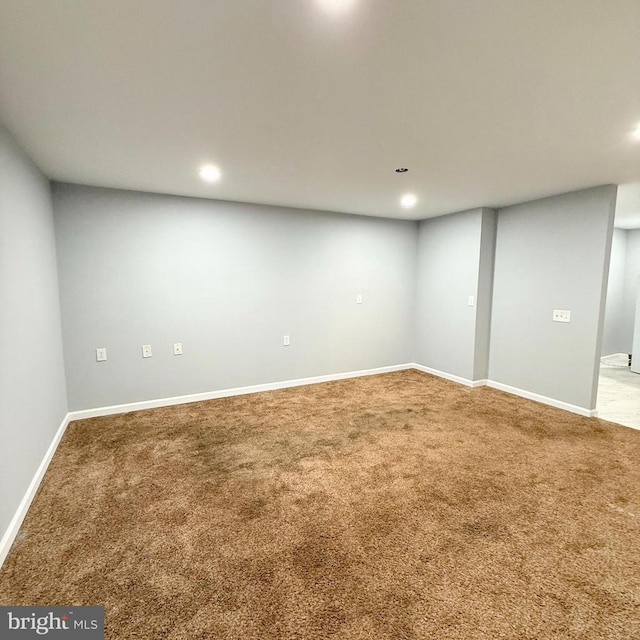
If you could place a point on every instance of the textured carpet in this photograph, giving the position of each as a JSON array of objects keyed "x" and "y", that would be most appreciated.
[{"x": 393, "y": 506}]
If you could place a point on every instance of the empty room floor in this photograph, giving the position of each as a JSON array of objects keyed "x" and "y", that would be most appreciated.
[
  {"x": 619, "y": 392},
  {"x": 391, "y": 506}
]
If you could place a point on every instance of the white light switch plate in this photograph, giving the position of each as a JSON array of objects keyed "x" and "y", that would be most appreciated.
[
  {"x": 146, "y": 351},
  {"x": 472, "y": 301},
  {"x": 561, "y": 315},
  {"x": 101, "y": 354},
  {"x": 286, "y": 341},
  {"x": 359, "y": 299},
  {"x": 177, "y": 348}
]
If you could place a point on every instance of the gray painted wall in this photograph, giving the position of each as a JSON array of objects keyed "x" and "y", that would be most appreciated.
[
  {"x": 552, "y": 254},
  {"x": 618, "y": 330},
  {"x": 228, "y": 281},
  {"x": 631, "y": 285},
  {"x": 451, "y": 250},
  {"x": 32, "y": 383}
]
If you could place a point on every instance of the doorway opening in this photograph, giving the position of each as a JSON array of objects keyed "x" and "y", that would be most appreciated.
[{"x": 619, "y": 375}]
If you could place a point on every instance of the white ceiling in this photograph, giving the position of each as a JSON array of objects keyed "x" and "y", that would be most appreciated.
[{"x": 487, "y": 102}]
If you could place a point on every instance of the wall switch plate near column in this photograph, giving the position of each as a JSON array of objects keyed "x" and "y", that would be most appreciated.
[
  {"x": 286, "y": 341},
  {"x": 177, "y": 348},
  {"x": 146, "y": 351},
  {"x": 101, "y": 354}
]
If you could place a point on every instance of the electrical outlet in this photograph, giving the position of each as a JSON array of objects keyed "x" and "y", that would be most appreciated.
[
  {"x": 177, "y": 348},
  {"x": 146, "y": 351},
  {"x": 286, "y": 341},
  {"x": 561, "y": 315},
  {"x": 101, "y": 354}
]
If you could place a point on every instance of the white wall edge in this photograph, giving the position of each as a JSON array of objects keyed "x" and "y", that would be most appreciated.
[
  {"x": 450, "y": 376},
  {"x": 16, "y": 522},
  {"x": 589, "y": 413},
  {"x": 225, "y": 393}
]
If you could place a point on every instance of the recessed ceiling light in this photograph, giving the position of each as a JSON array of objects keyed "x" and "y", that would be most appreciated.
[
  {"x": 210, "y": 173},
  {"x": 336, "y": 7},
  {"x": 402, "y": 170},
  {"x": 408, "y": 200}
]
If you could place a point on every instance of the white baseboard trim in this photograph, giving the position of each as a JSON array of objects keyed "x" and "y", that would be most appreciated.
[
  {"x": 225, "y": 393},
  {"x": 16, "y": 522},
  {"x": 450, "y": 376},
  {"x": 589, "y": 413}
]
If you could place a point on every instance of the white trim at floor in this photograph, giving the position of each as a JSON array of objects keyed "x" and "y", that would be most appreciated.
[
  {"x": 16, "y": 522},
  {"x": 450, "y": 376},
  {"x": 225, "y": 393},
  {"x": 272, "y": 386},
  {"x": 589, "y": 413}
]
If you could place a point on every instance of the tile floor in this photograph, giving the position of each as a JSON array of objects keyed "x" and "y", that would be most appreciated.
[{"x": 618, "y": 392}]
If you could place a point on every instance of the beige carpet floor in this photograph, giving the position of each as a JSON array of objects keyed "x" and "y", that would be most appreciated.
[{"x": 393, "y": 506}]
